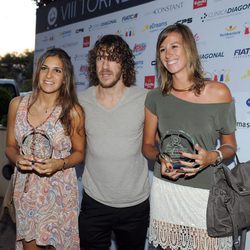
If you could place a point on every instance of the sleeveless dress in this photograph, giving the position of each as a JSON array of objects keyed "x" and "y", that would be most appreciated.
[{"x": 46, "y": 207}]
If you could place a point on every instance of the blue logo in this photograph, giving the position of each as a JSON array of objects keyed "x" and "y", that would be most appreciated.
[{"x": 248, "y": 102}]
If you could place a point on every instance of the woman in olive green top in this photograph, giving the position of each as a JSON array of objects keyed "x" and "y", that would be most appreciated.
[{"x": 185, "y": 104}]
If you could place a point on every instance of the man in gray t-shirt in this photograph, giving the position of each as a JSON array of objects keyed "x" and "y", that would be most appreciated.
[{"x": 115, "y": 178}]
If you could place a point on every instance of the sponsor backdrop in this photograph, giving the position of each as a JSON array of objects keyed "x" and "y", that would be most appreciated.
[{"x": 220, "y": 27}]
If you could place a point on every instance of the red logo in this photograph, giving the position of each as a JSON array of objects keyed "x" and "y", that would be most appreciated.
[
  {"x": 149, "y": 82},
  {"x": 199, "y": 4},
  {"x": 86, "y": 41}
]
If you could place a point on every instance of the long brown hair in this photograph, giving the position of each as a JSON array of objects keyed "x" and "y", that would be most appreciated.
[
  {"x": 67, "y": 97},
  {"x": 117, "y": 50},
  {"x": 194, "y": 65}
]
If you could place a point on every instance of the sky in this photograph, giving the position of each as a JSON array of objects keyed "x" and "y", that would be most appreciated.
[{"x": 17, "y": 26}]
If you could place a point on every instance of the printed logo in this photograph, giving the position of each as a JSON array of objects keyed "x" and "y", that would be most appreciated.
[
  {"x": 48, "y": 38},
  {"x": 129, "y": 18},
  {"x": 153, "y": 63},
  {"x": 246, "y": 75},
  {"x": 218, "y": 75},
  {"x": 130, "y": 32},
  {"x": 248, "y": 102},
  {"x": 168, "y": 8},
  {"x": 186, "y": 20},
  {"x": 242, "y": 124},
  {"x": 246, "y": 29},
  {"x": 65, "y": 33},
  {"x": 149, "y": 82},
  {"x": 86, "y": 41},
  {"x": 52, "y": 16},
  {"x": 139, "y": 64},
  {"x": 231, "y": 31},
  {"x": 242, "y": 53},
  {"x": 79, "y": 30},
  {"x": 212, "y": 55},
  {"x": 83, "y": 70},
  {"x": 154, "y": 26},
  {"x": 101, "y": 25},
  {"x": 231, "y": 11},
  {"x": 196, "y": 37},
  {"x": 139, "y": 48},
  {"x": 199, "y": 4}
]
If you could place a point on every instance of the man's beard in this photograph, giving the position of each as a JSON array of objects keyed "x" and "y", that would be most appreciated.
[{"x": 111, "y": 84}]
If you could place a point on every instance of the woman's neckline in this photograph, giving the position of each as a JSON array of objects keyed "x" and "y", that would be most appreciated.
[
  {"x": 43, "y": 122},
  {"x": 196, "y": 103}
]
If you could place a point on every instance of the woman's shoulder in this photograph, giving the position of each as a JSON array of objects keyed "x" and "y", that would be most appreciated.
[
  {"x": 217, "y": 92},
  {"x": 16, "y": 101}
]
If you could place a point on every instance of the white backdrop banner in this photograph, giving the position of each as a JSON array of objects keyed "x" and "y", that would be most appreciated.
[{"x": 220, "y": 27}]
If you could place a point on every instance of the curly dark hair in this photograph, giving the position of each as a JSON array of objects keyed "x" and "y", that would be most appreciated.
[
  {"x": 67, "y": 98},
  {"x": 117, "y": 50},
  {"x": 194, "y": 64}
]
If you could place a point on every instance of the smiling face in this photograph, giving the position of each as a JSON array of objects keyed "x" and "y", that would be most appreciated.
[
  {"x": 172, "y": 53},
  {"x": 109, "y": 72},
  {"x": 51, "y": 75}
]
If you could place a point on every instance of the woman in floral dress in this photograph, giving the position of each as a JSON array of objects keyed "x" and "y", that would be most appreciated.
[{"x": 45, "y": 140}]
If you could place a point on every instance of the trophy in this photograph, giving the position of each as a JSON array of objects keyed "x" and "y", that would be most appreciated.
[
  {"x": 173, "y": 143},
  {"x": 37, "y": 143}
]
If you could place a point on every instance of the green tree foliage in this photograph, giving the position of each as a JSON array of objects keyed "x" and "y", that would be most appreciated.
[
  {"x": 42, "y": 3},
  {"x": 19, "y": 67}
]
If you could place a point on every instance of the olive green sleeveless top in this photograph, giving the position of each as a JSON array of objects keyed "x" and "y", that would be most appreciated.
[{"x": 204, "y": 122}]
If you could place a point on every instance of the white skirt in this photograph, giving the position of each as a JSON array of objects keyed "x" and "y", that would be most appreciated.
[{"x": 178, "y": 218}]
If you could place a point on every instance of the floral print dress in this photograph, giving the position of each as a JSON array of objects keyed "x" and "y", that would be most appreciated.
[{"x": 46, "y": 207}]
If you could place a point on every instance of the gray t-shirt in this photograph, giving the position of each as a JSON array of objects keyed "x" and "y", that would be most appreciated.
[
  {"x": 116, "y": 173},
  {"x": 203, "y": 122}
]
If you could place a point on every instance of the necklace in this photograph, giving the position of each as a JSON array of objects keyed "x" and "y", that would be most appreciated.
[
  {"x": 47, "y": 109},
  {"x": 182, "y": 90}
]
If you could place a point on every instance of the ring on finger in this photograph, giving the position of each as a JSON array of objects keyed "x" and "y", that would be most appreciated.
[
  {"x": 166, "y": 170},
  {"x": 199, "y": 169},
  {"x": 195, "y": 164}
]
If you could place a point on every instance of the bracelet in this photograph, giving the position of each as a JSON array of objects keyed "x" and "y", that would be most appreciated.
[
  {"x": 64, "y": 164},
  {"x": 219, "y": 157}
]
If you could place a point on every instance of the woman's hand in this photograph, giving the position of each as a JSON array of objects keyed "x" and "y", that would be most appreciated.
[
  {"x": 201, "y": 160},
  {"x": 167, "y": 168},
  {"x": 48, "y": 167},
  {"x": 24, "y": 162}
]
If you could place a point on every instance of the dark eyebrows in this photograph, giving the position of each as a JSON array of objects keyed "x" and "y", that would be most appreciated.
[{"x": 47, "y": 67}]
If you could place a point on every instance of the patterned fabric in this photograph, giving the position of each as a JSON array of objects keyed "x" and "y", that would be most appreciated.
[{"x": 46, "y": 207}]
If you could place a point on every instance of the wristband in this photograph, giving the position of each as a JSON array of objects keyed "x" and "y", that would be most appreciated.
[{"x": 219, "y": 158}]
